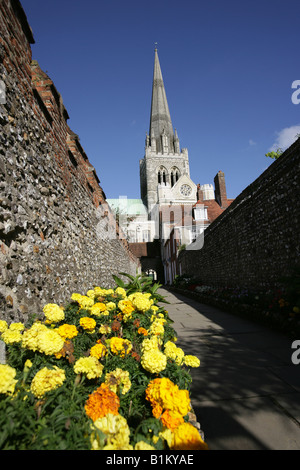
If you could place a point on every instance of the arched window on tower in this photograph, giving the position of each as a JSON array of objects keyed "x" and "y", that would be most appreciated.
[
  {"x": 174, "y": 176},
  {"x": 162, "y": 175}
]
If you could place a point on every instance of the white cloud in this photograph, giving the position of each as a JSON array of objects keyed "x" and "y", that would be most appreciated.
[
  {"x": 285, "y": 138},
  {"x": 251, "y": 142}
]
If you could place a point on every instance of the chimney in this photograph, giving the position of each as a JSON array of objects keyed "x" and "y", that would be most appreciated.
[{"x": 220, "y": 190}]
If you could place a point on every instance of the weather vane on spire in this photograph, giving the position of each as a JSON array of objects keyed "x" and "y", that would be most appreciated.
[{"x": 155, "y": 44}]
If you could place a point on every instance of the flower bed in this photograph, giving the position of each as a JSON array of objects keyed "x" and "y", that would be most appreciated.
[{"x": 101, "y": 373}]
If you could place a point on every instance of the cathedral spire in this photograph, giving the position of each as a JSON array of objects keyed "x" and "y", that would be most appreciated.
[{"x": 161, "y": 128}]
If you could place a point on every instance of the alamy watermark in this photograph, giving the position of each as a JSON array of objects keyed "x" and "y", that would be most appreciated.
[
  {"x": 296, "y": 354},
  {"x": 123, "y": 224},
  {"x": 296, "y": 94},
  {"x": 2, "y": 92}
]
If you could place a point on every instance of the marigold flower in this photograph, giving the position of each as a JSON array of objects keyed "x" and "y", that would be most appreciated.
[
  {"x": 30, "y": 337},
  {"x": 141, "y": 301},
  {"x": 121, "y": 292},
  {"x": 142, "y": 445},
  {"x": 104, "y": 329},
  {"x": 171, "y": 419},
  {"x": 11, "y": 337},
  {"x": 49, "y": 342},
  {"x": 3, "y": 326},
  {"x": 191, "y": 361},
  {"x": 67, "y": 331},
  {"x": 101, "y": 402},
  {"x": 142, "y": 331},
  {"x": 117, "y": 432},
  {"x": 53, "y": 313},
  {"x": 120, "y": 346},
  {"x": 173, "y": 352},
  {"x": 98, "y": 309},
  {"x": 117, "y": 380},
  {"x": 154, "y": 361},
  {"x": 157, "y": 328},
  {"x": 98, "y": 351},
  {"x": 187, "y": 437},
  {"x": 7, "y": 379},
  {"x": 17, "y": 326},
  {"x": 87, "y": 323},
  {"x": 90, "y": 366},
  {"x": 46, "y": 380},
  {"x": 165, "y": 396},
  {"x": 126, "y": 307}
]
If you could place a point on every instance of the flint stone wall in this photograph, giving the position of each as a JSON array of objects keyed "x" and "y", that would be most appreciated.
[
  {"x": 255, "y": 241},
  {"x": 55, "y": 231}
]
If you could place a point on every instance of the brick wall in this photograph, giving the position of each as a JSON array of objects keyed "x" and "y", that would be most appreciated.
[
  {"x": 255, "y": 241},
  {"x": 53, "y": 224}
]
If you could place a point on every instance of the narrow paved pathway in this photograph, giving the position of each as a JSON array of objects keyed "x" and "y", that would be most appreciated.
[{"x": 246, "y": 392}]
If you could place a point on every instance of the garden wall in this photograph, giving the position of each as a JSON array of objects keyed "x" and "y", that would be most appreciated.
[
  {"x": 255, "y": 241},
  {"x": 53, "y": 224}
]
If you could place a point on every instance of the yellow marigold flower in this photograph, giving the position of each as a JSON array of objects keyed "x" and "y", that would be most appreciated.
[
  {"x": 117, "y": 432},
  {"x": 187, "y": 437},
  {"x": 53, "y": 313},
  {"x": 125, "y": 306},
  {"x": 67, "y": 331},
  {"x": 140, "y": 301},
  {"x": 7, "y": 379},
  {"x": 142, "y": 445},
  {"x": 120, "y": 346},
  {"x": 167, "y": 435},
  {"x": 46, "y": 380},
  {"x": 154, "y": 361},
  {"x": 98, "y": 351},
  {"x": 49, "y": 342},
  {"x": 153, "y": 342},
  {"x": 30, "y": 337},
  {"x": 90, "y": 366},
  {"x": 173, "y": 352},
  {"x": 121, "y": 292},
  {"x": 17, "y": 327},
  {"x": 11, "y": 336},
  {"x": 91, "y": 294},
  {"x": 191, "y": 361},
  {"x": 98, "y": 309},
  {"x": 111, "y": 306},
  {"x": 84, "y": 301},
  {"x": 104, "y": 329},
  {"x": 101, "y": 402},
  {"x": 3, "y": 326},
  {"x": 87, "y": 323},
  {"x": 157, "y": 328},
  {"x": 154, "y": 308},
  {"x": 118, "y": 380}
]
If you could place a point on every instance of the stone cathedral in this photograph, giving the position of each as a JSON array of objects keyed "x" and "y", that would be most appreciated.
[{"x": 164, "y": 170}]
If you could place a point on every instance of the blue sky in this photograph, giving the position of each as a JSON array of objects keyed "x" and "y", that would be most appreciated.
[{"x": 228, "y": 68}]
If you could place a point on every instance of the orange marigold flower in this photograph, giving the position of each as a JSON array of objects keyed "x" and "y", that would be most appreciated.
[
  {"x": 101, "y": 402},
  {"x": 171, "y": 419},
  {"x": 143, "y": 331}
]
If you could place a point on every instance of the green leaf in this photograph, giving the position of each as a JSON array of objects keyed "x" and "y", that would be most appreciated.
[{"x": 118, "y": 281}]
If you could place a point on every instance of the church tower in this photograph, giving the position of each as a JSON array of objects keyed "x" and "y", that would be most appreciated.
[{"x": 164, "y": 170}]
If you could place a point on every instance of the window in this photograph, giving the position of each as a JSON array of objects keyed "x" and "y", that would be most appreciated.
[
  {"x": 174, "y": 176},
  {"x": 200, "y": 213},
  {"x": 162, "y": 175}
]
